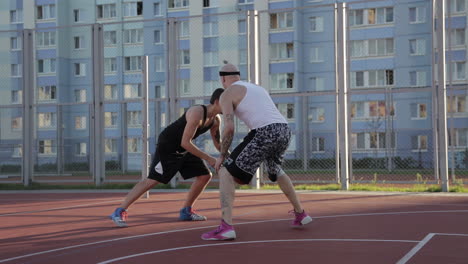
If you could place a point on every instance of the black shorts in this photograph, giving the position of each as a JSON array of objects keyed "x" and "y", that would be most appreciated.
[
  {"x": 265, "y": 144},
  {"x": 166, "y": 164}
]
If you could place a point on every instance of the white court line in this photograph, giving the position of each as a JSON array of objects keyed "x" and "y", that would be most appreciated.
[
  {"x": 416, "y": 248},
  {"x": 252, "y": 242},
  {"x": 204, "y": 227},
  {"x": 422, "y": 243}
]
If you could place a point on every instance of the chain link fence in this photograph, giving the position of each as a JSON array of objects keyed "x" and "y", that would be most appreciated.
[{"x": 289, "y": 50}]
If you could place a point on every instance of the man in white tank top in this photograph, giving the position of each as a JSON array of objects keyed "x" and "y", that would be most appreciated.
[{"x": 266, "y": 142}]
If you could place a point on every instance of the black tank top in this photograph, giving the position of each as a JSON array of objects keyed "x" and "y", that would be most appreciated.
[{"x": 171, "y": 136}]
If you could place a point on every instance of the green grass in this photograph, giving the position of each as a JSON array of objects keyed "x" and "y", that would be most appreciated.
[{"x": 456, "y": 187}]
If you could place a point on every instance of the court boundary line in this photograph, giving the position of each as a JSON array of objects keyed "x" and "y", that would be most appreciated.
[
  {"x": 422, "y": 243},
  {"x": 212, "y": 226},
  {"x": 254, "y": 242}
]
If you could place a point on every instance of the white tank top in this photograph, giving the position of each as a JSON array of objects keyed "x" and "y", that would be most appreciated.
[{"x": 257, "y": 109}]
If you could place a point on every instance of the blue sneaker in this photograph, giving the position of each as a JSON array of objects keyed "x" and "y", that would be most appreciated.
[
  {"x": 187, "y": 214},
  {"x": 119, "y": 217}
]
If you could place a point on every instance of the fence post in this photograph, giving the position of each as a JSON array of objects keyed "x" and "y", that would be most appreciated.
[
  {"x": 171, "y": 74},
  {"x": 342, "y": 92},
  {"x": 441, "y": 97},
  {"x": 28, "y": 111},
  {"x": 253, "y": 70},
  {"x": 144, "y": 122},
  {"x": 98, "y": 104}
]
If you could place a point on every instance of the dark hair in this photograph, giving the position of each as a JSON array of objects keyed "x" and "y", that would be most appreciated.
[{"x": 216, "y": 94}]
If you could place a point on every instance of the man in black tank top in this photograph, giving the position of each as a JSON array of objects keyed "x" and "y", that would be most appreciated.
[{"x": 175, "y": 152}]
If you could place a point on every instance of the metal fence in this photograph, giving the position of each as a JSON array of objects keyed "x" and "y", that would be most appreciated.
[{"x": 358, "y": 83}]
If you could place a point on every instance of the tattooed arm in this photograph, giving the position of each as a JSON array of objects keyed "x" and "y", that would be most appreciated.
[{"x": 228, "y": 127}]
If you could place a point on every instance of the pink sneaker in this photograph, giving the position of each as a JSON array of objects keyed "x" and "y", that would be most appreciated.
[
  {"x": 300, "y": 218},
  {"x": 223, "y": 232}
]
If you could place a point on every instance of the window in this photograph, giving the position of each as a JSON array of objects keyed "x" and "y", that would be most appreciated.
[
  {"x": 76, "y": 15},
  {"x": 15, "y": 70},
  {"x": 110, "y": 38},
  {"x": 210, "y": 3},
  {"x": 110, "y": 92},
  {"x": 80, "y": 95},
  {"x": 80, "y": 69},
  {"x": 132, "y": 36},
  {"x": 47, "y": 120},
  {"x": 178, "y": 3},
  {"x": 458, "y": 70},
  {"x": 184, "y": 86},
  {"x": 133, "y": 9},
  {"x": 317, "y": 84},
  {"x": 47, "y": 93},
  {"x": 45, "y": 39},
  {"x": 157, "y": 9},
  {"x": 419, "y": 142},
  {"x": 317, "y": 114},
  {"x": 280, "y": 51},
  {"x": 16, "y": 123},
  {"x": 457, "y": 6},
  {"x": 134, "y": 118},
  {"x": 370, "y": 140},
  {"x": 210, "y": 29},
  {"x": 459, "y": 104},
  {"x": 316, "y": 54},
  {"x": 210, "y": 58},
  {"x": 159, "y": 64},
  {"x": 78, "y": 42},
  {"x": 316, "y": 24},
  {"x": 15, "y": 43},
  {"x": 318, "y": 144},
  {"x": 242, "y": 26},
  {"x": 361, "y": 79},
  {"x": 80, "y": 122},
  {"x": 282, "y": 81},
  {"x": 110, "y": 145},
  {"x": 184, "y": 57},
  {"x": 45, "y": 12},
  {"x": 134, "y": 145},
  {"x": 371, "y": 16},
  {"x": 457, "y": 37},
  {"x": 417, "y": 78},
  {"x": 80, "y": 149},
  {"x": 287, "y": 110},
  {"x": 417, "y": 14},
  {"x": 157, "y": 36},
  {"x": 16, "y": 16},
  {"x": 17, "y": 97},
  {"x": 17, "y": 151},
  {"x": 47, "y": 147},
  {"x": 368, "y": 109},
  {"x": 110, "y": 119},
  {"x": 184, "y": 31},
  {"x": 292, "y": 144},
  {"x": 461, "y": 138},
  {"x": 417, "y": 46},
  {"x": 132, "y": 90},
  {"x": 418, "y": 111},
  {"x": 242, "y": 56},
  {"x": 245, "y": 1},
  {"x": 160, "y": 92},
  {"x": 133, "y": 63},
  {"x": 281, "y": 20},
  {"x": 110, "y": 65},
  {"x": 372, "y": 47},
  {"x": 106, "y": 11},
  {"x": 46, "y": 66}
]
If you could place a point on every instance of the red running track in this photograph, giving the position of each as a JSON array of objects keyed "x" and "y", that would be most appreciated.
[{"x": 72, "y": 227}]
